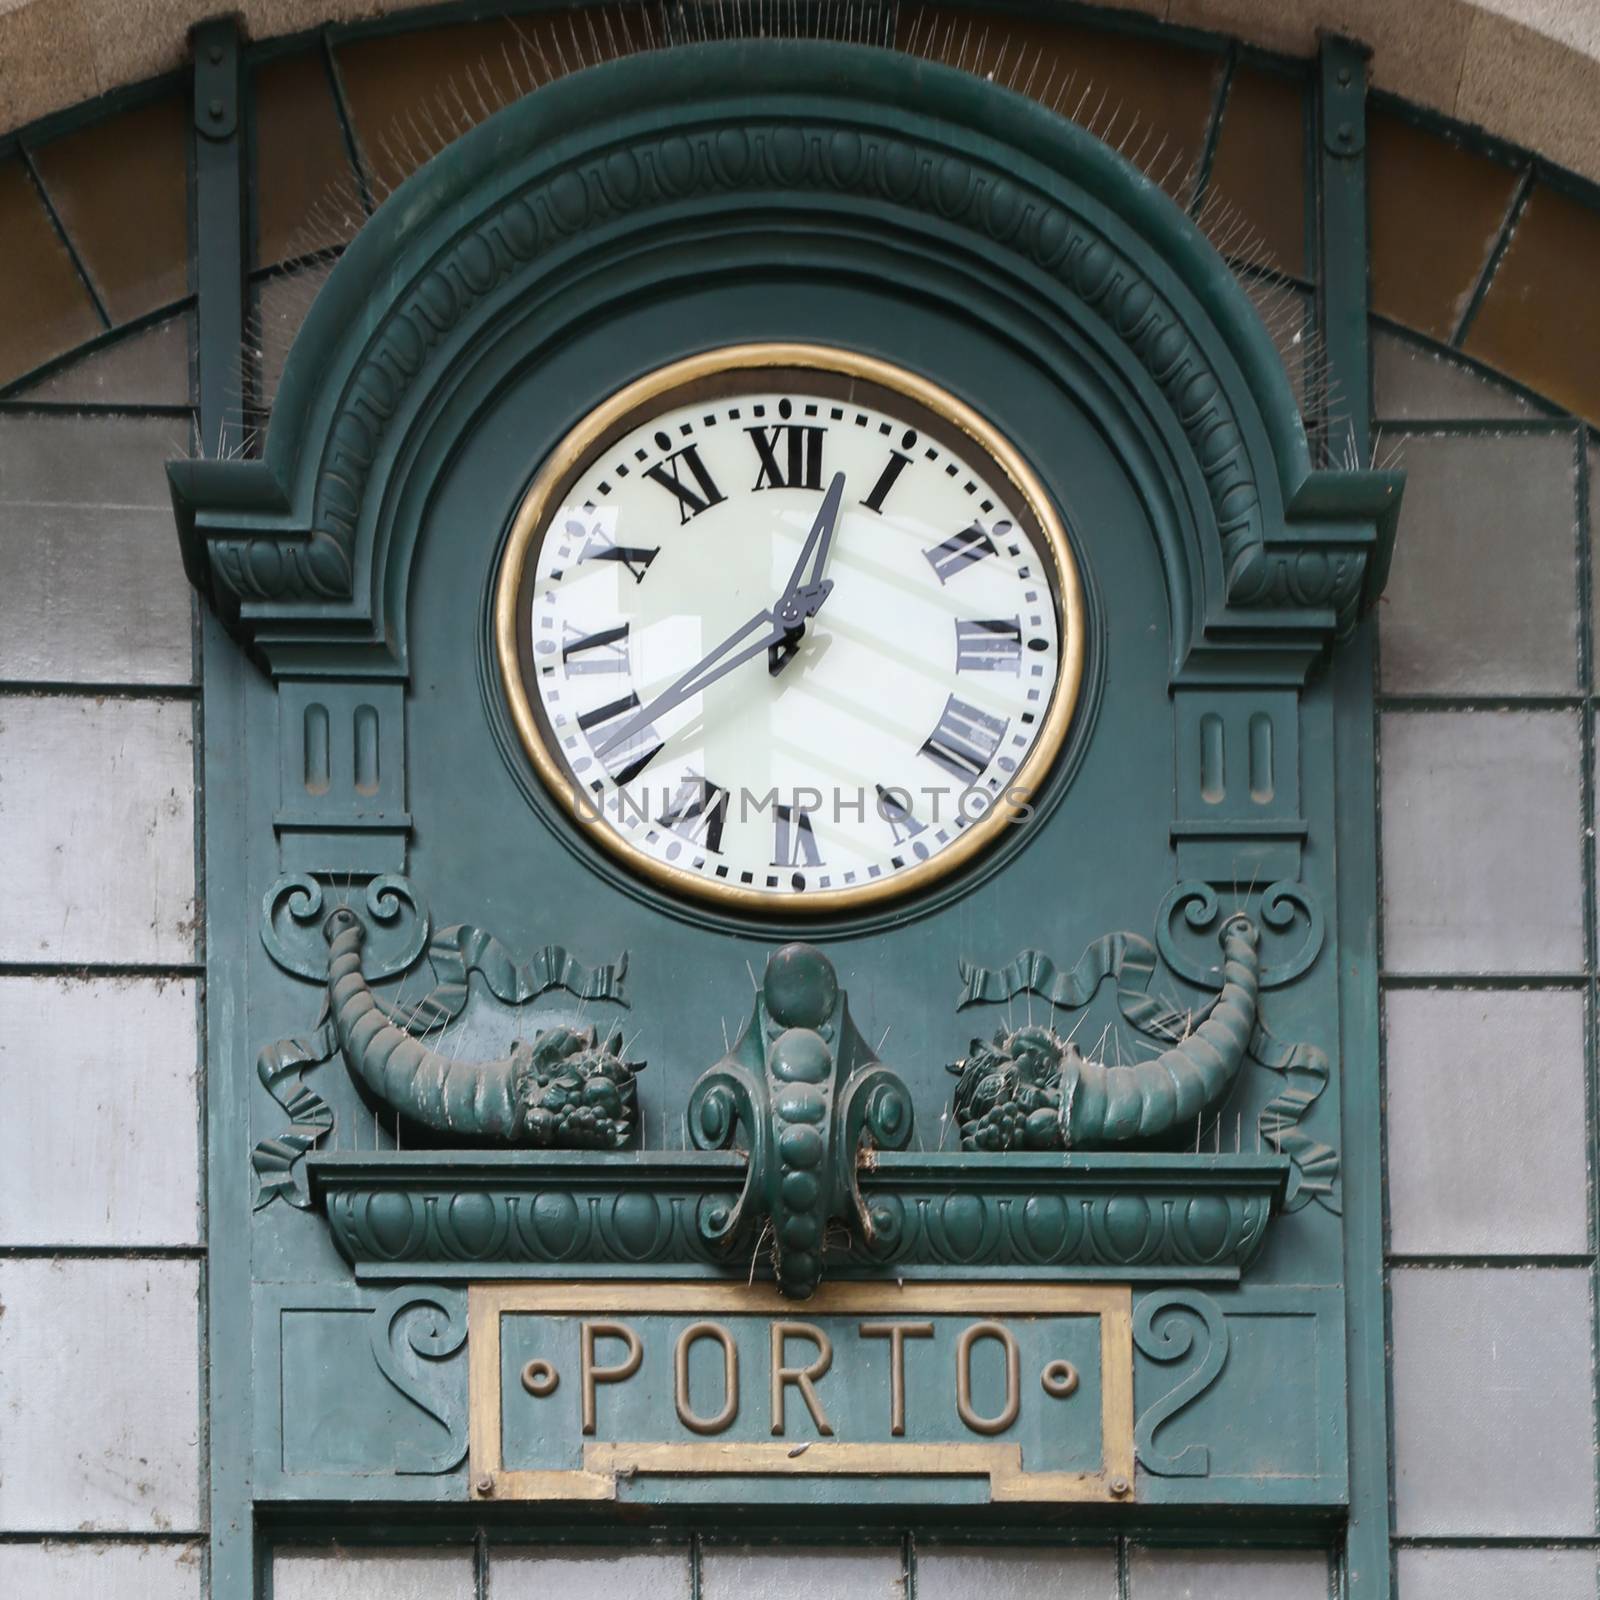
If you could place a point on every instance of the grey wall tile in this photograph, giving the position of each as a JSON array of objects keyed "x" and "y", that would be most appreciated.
[
  {"x": 90, "y": 596},
  {"x": 577, "y": 1573},
  {"x": 148, "y": 368},
  {"x": 1497, "y": 1575},
  {"x": 88, "y": 461},
  {"x": 97, "y": 829},
  {"x": 91, "y": 585},
  {"x": 1493, "y": 1401},
  {"x": 1483, "y": 595},
  {"x": 798, "y": 1573},
  {"x": 111, "y": 1571},
  {"x": 1227, "y": 1574},
  {"x": 99, "y": 1365},
  {"x": 1414, "y": 384},
  {"x": 1487, "y": 1123},
  {"x": 1021, "y": 1574},
  {"x": 1481, "y": 860},
  {"x": 99, "y": 1145},
  {"x": 373, "y": 1575}
]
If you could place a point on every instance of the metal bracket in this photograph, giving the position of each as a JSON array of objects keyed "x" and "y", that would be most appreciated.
[
  {"x": 1344, "y": 94},
  {"x": 219, "y": 233},
  {"x": 216, "y": 79}
]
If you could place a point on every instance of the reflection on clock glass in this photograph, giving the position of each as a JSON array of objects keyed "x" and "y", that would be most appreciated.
[{"x": 790, "y": 643}]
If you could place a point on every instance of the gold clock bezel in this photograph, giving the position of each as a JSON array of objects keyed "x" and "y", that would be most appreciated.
[{"x": 614, "y": 416}]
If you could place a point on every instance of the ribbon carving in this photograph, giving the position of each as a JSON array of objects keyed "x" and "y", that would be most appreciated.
[{"x": 277, "y": 1161}]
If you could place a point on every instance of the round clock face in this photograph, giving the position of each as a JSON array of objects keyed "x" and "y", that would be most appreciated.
[{"x": 788, "y": 627}]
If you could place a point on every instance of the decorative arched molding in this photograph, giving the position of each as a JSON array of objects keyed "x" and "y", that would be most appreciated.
[{"x": 522, "y": 222}]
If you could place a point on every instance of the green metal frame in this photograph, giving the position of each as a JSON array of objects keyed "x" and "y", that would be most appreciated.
[{"x": 236, "y": 503}]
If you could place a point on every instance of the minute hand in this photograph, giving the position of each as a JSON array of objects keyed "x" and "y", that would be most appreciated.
[
  {"x": 821, "y": 532},
  {"x": 803, "y": 595},
  {"x": 732, "y": 652}
]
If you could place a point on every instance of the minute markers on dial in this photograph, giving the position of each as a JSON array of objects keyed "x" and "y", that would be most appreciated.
[{"x": 908, "y": 689}]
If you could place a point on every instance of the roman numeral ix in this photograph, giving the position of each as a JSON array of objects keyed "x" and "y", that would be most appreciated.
[{"x": 606, "y": 651}]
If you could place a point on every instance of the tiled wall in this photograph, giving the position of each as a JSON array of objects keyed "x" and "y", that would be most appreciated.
[
  {"x": 1486, "y": 748},
  {"x": 101, "y": 1462},
  {"x": 883, "y": 1572}
]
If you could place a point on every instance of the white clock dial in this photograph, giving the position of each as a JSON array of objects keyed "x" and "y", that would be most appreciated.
[{"x": 790, "y": 633}]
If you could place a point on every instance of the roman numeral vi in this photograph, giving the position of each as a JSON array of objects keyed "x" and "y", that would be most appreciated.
[{"x": 793, "y": 842}]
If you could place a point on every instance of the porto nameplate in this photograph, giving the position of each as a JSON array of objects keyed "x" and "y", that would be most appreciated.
[{"x": 691, "y": 1392}]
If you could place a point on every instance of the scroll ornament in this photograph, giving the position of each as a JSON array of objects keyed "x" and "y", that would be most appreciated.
[
  {"x": 416, "y": 1331},
  {"x": 1160, "y": 1333}
]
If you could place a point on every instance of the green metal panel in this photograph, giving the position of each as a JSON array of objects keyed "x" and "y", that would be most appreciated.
[{"x": 1186, "y": 843}]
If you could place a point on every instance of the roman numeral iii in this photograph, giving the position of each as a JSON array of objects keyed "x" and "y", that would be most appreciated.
[{"x": 994, "y": 645}]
